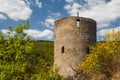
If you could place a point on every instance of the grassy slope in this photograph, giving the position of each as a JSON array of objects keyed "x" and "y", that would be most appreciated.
[{"x": 46, "y": 50}]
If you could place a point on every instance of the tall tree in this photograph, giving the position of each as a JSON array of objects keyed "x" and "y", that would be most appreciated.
[{"x": 15, "y": 52}]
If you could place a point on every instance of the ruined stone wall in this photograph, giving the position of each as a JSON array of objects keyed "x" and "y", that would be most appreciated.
[{"x": 74, "y": 40}]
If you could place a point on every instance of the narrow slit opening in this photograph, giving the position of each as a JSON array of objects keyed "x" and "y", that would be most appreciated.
[
  {"x": 88, "y": 50},
  {"x": 62, "y": 49},
  {"x": 78, "y": 20}
]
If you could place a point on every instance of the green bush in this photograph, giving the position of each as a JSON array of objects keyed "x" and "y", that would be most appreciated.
[
  {"x": 14, "y": 52},
  {"x": 21, "y": 58},
  {"x": 103, "y": 55}
]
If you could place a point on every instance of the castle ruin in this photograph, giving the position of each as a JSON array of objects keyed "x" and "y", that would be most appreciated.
[{"x": 73, "y": 35}]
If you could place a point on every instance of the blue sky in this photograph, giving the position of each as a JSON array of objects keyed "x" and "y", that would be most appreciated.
[{"x": 43, "y": 13}]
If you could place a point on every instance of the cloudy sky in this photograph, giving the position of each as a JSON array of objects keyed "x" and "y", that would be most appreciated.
[{"x": 43, "y": 13}]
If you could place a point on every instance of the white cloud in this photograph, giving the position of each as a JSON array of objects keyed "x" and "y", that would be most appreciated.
[
  {"x": 73, "y": 9},
  {"x": 39, "y": 4},
  {"x": 4, "y": 31},
  {"x": 28, "y": 2},
  {"x": 2, "y": 16},
  {"x": 102, "y": 32},
  {"x": 36, "y": 34},
  {"x": 100, "y": 10},
  {"x": 15, "y": 9},
  {"x": 49, "y": 21}
]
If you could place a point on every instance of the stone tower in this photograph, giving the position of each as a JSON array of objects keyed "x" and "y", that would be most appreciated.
[{"x": 73, "y": 35}]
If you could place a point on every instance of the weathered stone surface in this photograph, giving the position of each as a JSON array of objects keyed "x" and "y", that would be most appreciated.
[{"x": 75, "y": 41}]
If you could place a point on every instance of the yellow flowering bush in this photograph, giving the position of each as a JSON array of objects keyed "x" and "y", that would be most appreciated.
[{"x": 102, "y": 54}]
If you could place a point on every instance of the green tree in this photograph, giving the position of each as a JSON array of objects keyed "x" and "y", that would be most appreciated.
[
  {"x": 23, "y": 59},
  {"x": 15, "y": 50}
]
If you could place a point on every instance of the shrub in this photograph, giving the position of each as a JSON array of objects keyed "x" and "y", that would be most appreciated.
[
  {"x": 104, "y": 57},
  {"x": 21, "y": 58},
  {"x": 15, "y": 49}
]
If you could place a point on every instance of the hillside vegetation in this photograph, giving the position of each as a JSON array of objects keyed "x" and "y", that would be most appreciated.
[{"x": 22, "y": 58}]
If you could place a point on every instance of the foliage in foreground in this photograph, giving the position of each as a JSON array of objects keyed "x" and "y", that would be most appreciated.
[
  {"x": 22, "y": 59},
  {"x": 104, "y": 57},
  {"x": 14, "y": 54}
]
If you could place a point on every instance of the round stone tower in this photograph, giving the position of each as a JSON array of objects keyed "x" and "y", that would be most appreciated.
[{"x": 73, "y": 35}]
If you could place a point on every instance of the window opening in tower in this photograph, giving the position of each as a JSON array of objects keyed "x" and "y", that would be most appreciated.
[
  {"x": 62, "y": 49},
  {"x": 88, "y": 50},
  {"x": 78, "y": 23}
]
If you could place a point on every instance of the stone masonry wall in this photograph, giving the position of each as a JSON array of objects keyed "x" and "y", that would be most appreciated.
[{"x": 75, "y": 41}]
